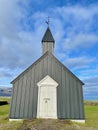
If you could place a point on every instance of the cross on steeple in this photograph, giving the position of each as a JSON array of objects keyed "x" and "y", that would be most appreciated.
[{"x": 48, "y": 21}]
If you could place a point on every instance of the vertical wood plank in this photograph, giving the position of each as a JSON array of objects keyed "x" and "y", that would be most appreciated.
[{"x": 22, "y": 99}]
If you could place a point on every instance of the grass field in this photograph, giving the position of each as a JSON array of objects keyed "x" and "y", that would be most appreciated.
[
  {"x": 91, "y": 115},
  {"x": 4, "y": 122}
]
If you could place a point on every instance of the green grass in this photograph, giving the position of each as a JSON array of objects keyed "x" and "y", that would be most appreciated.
[
  {"x": 91, "y": 115},
  {"x": 4, "y": 110},
  {"x": 4, "y": 121}
]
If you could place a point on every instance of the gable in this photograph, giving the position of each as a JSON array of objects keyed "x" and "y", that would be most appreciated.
[{"x": 48, "y": 65}]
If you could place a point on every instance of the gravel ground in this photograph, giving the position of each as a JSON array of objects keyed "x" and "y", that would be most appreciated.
[{"x": 49, "y": 124}]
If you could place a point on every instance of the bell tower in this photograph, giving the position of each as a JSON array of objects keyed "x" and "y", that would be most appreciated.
[{"x": 48, "y": 42}]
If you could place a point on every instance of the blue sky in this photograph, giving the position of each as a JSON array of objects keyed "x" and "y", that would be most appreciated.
[{"x": 74, "y": 25}]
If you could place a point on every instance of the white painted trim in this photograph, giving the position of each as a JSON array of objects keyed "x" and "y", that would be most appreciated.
[
  {"x": 16, "y": 119},
  {"x": 44, "y": 82},
  {"x": 47, "y": 80},
  {"x": 78, "y": 121}
]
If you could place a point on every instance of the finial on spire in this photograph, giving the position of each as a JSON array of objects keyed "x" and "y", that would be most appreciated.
[{"x": 48, "y": 21}]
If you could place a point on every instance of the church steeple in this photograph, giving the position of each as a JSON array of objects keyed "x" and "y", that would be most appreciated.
[
  {"x": 48, "y": 41},
  {"x": 48, "y": 36}
]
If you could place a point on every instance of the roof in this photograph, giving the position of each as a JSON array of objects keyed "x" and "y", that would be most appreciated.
[
  {"x": 43, "y": 56},
  {"x": 48, "y": 37}
]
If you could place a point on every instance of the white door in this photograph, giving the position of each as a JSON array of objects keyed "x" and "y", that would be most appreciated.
[
  {"x": 48, "y": 102},
  {"x": 47, "y": 98}
]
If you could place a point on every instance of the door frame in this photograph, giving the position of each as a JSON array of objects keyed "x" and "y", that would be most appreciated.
[{"x": 46, "y": 81}]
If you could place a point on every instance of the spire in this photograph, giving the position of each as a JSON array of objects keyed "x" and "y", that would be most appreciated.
[
  {"x": 48, "y": 36},
  {"x": 48, "y": 42}
]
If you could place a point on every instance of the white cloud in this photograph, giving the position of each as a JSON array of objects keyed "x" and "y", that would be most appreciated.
[
  {"x": 87, "y": 73},
  {"x": 79, "y": 12},
  {"x": 91, "y": 88},
  {"x": 23, "y": 50},
  {"x": 15, "y": 43},
  {"x": 78, "y": 62},
  {"x": 92, "y": 80},
  {"x": 5, "y": 74},
  {"x": 77, "y": 33},
  {"x": 9, "y": 11},
  {"x": 82, "y": 41}
]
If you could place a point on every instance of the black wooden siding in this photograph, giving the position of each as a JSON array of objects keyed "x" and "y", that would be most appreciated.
[{"x": 25, "y": 90}]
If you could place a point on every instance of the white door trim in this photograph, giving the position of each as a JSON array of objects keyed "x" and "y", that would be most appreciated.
[{"x": 46, "y": 81}]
